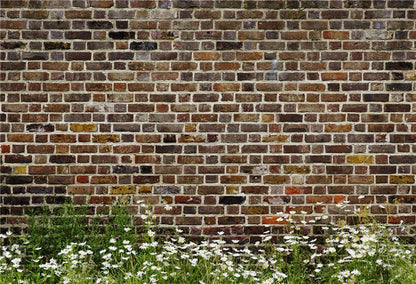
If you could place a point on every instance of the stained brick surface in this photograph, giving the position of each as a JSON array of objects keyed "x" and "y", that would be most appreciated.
[{"x": 231, "y": 111}]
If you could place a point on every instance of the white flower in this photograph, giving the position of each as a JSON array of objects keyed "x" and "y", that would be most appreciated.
[
  {"x": 331, "y": 249},
  {"x": 268, "y": 281},
  {"x": 128, "y": 275},
  {"x": 139, "y": 274},
  {"x": 127, "y": 230},
  {"x": 168, "y": 207},
  {"x": 16, "y": 262},
  {"x": 193, "y": 261},
  {"x": 113, "y": 241},
  {"x": 150, "y": 233},
  {"x": 279, "y": 276},
  {"x": 346, "y": 273}
]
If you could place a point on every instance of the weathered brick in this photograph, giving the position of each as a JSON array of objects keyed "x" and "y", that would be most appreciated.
[
  {"x": 276, "y": 138},
  {"x": 274, "y": 179},
  {"x": 120, "y": 55},
  {"x": 62, "y": 159},
  {"x": 222, "y": 45},
  {"x": 123, "y": 189},
  {"x": 404, "y": 159},
  {"x": 101, "y": 25},
  {"x": 78, "y": 35},
  {"x": 98, "y": 87},
  {"x": 14, "y": 3},
  {"x": 105, "y": 138},
  {"x": 360, "y": 159},
  {"x": 402, "y": 179},
  {"x": 271, "y": 25},
  {"x": 297, "y": 169},
  {"x": 191, "y": 139},
  {"x": 338, "y": 127},
  {"x": 14, "y": 159},
  {"x": 243, "y": 56},
  {"x": 398, "y": 87},
  {"x": 143, "y": 45},
  {"x": 338, "y": 149},
  {"x": 76, "y": 127},
  {"x": 233, "y": 179},
  {"x": 78, "y": 14}
]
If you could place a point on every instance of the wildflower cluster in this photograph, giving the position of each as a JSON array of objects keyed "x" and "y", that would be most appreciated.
[
  {"x": 11, "y": 256},
  {"x": 348, "y": 254}
]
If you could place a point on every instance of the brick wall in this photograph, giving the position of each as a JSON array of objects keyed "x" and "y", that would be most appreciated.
[{"x": 230, "y": 111}]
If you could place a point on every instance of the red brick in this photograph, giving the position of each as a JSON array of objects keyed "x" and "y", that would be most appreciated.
[
  {"x": 274, "y": 220},
  {"x": 336, "y": 35},
  {"x": 243, "y": 56},
  {"x": 298, "y": 189},
  {"x": 226, "y": 87},
  {"x": 334, "y": 76}
]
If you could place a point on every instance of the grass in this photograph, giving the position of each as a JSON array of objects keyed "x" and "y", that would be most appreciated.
[{"x": 63, "y": 245}]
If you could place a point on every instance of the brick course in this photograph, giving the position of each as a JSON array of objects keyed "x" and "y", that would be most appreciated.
[{"x": 231, "y": 111}]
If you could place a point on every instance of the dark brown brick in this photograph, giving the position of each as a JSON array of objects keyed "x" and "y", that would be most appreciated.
[
  {"x": 62, "y": 159},
  {"x": 271, "y": 25},
  {"x": 78, "y": 56},
  {"x": 78, "y": 35},
  {"x": 376, "y": 97},
  {"x": 14, "y": 159},
  {"x": 232, "y": 199},
  {"x": 222, "y": 45},
  {"x": 399, "y": 87},
  {"x": 100, "y": 25},
  {"x": 19, "y": 179},
  {"x": 399, "y": 65}
]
